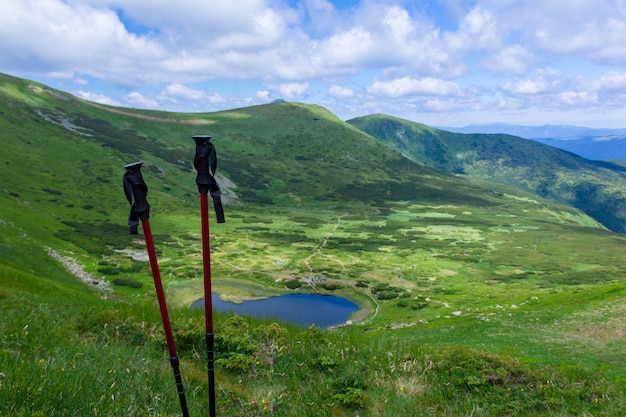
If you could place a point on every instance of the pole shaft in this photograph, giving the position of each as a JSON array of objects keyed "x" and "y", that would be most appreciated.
[
  {"x": 136, "y": 191},
  {"x": 208, "y": 300},
  {"x": 145, "y": 224},
  {"x": 206, "y": 262},
  {"x": 179, "y": 385},
  {"x": 211, "y": 372},
  {"x": 158, "y": 285}
]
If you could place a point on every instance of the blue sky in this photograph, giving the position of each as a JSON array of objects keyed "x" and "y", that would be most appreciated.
[{"x": 438, "y": 62}]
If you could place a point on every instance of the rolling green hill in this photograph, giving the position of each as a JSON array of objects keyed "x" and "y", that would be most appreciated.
[
  {"x": 595, "y": 187},
  {"x": 476, "y": 298}
]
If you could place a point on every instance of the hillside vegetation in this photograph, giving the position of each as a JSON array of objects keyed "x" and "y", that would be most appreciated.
[
  {"x": 477, "y": 298},
  {"x": 595, "y": 187}
]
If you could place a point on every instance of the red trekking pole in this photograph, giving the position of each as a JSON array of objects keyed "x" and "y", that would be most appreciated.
[
  {"x": 135, "y": 188},
  {"x": 205, "y": 162}
]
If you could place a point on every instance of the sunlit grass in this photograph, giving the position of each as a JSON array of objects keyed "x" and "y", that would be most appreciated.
[{"x": 474, "y": 300}]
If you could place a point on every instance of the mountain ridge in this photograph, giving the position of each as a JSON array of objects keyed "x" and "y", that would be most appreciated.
[
  {"x": 306, "y": 159},
  {"x": 592, "y": 186}
]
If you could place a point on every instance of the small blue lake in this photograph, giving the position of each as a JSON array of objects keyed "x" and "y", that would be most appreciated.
[{"x": 303, "y": 309}]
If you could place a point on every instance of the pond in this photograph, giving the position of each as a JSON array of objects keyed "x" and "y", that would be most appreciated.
[{"x": 303, "y": 309}]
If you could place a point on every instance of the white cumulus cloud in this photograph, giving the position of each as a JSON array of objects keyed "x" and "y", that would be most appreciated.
[
  {"x": 97, "y": 98},
  {"x": 438, "y": 56},
  {"x": 180, "y": 95},
  {"x": 340, "y": 92},
  {"x": 406, "y": 86},
  {"x": 136, "y": 99},
  {"x": 514, "y": 59},
  {"x": 291, "y": 90}
]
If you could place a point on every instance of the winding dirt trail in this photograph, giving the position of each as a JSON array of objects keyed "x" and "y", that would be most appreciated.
[{"x": 307, "y": 260}]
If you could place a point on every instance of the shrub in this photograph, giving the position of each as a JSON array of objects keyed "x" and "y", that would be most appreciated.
[
  {"x": 293, "y": 284},
  {"x": 419, "y": 305},
  {"x": 469, "y": 369},
  {"x": 270, "y": 339},
  {"x": 386, "y": 288},
  {"x": 380, "y": 287},
  {"x": 135, "y": 267},
  {"x": 127, "y": 283},
  {"x": 386, "y": 295},
  {"x": 352, "y": 397},
  {"x": 325, "y": 362},
  {"x": 330, "y": 287},
  {"x": 235, "y": 337},
  {"x": 189, "y": 335},
  {"x": 237, "y": 362},
  {"x": 109, "y": 270}
]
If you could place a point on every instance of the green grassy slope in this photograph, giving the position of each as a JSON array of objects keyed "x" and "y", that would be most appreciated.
[
  {"x": 472, "y": 291},
  {"x": 593, "y": 186}
]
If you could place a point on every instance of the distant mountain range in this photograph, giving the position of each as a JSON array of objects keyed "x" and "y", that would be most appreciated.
[{"x": 591, "y": 143}]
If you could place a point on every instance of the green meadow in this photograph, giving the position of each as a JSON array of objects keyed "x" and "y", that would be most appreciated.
[{"x": 476, "y": 298}]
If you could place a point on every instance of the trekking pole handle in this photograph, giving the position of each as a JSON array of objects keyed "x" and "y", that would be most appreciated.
[
  {"x": 205, "y": 162},
  {"x": 136, "y": 192}
]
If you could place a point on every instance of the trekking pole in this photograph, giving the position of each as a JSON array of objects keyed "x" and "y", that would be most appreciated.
[
  {"x": 135, "y": 188},
  {"x": 205, "y": 162}
]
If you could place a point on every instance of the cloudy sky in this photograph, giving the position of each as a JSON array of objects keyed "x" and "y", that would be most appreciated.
[{"x": 439, "y": 62}]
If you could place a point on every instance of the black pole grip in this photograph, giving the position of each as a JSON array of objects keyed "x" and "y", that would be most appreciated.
[
  {"x": 179, "y": 385},
  {"x": 205, "y": 155},
  {"x": 136, "y": 192},
  {"x": 205, "y": 162}
]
